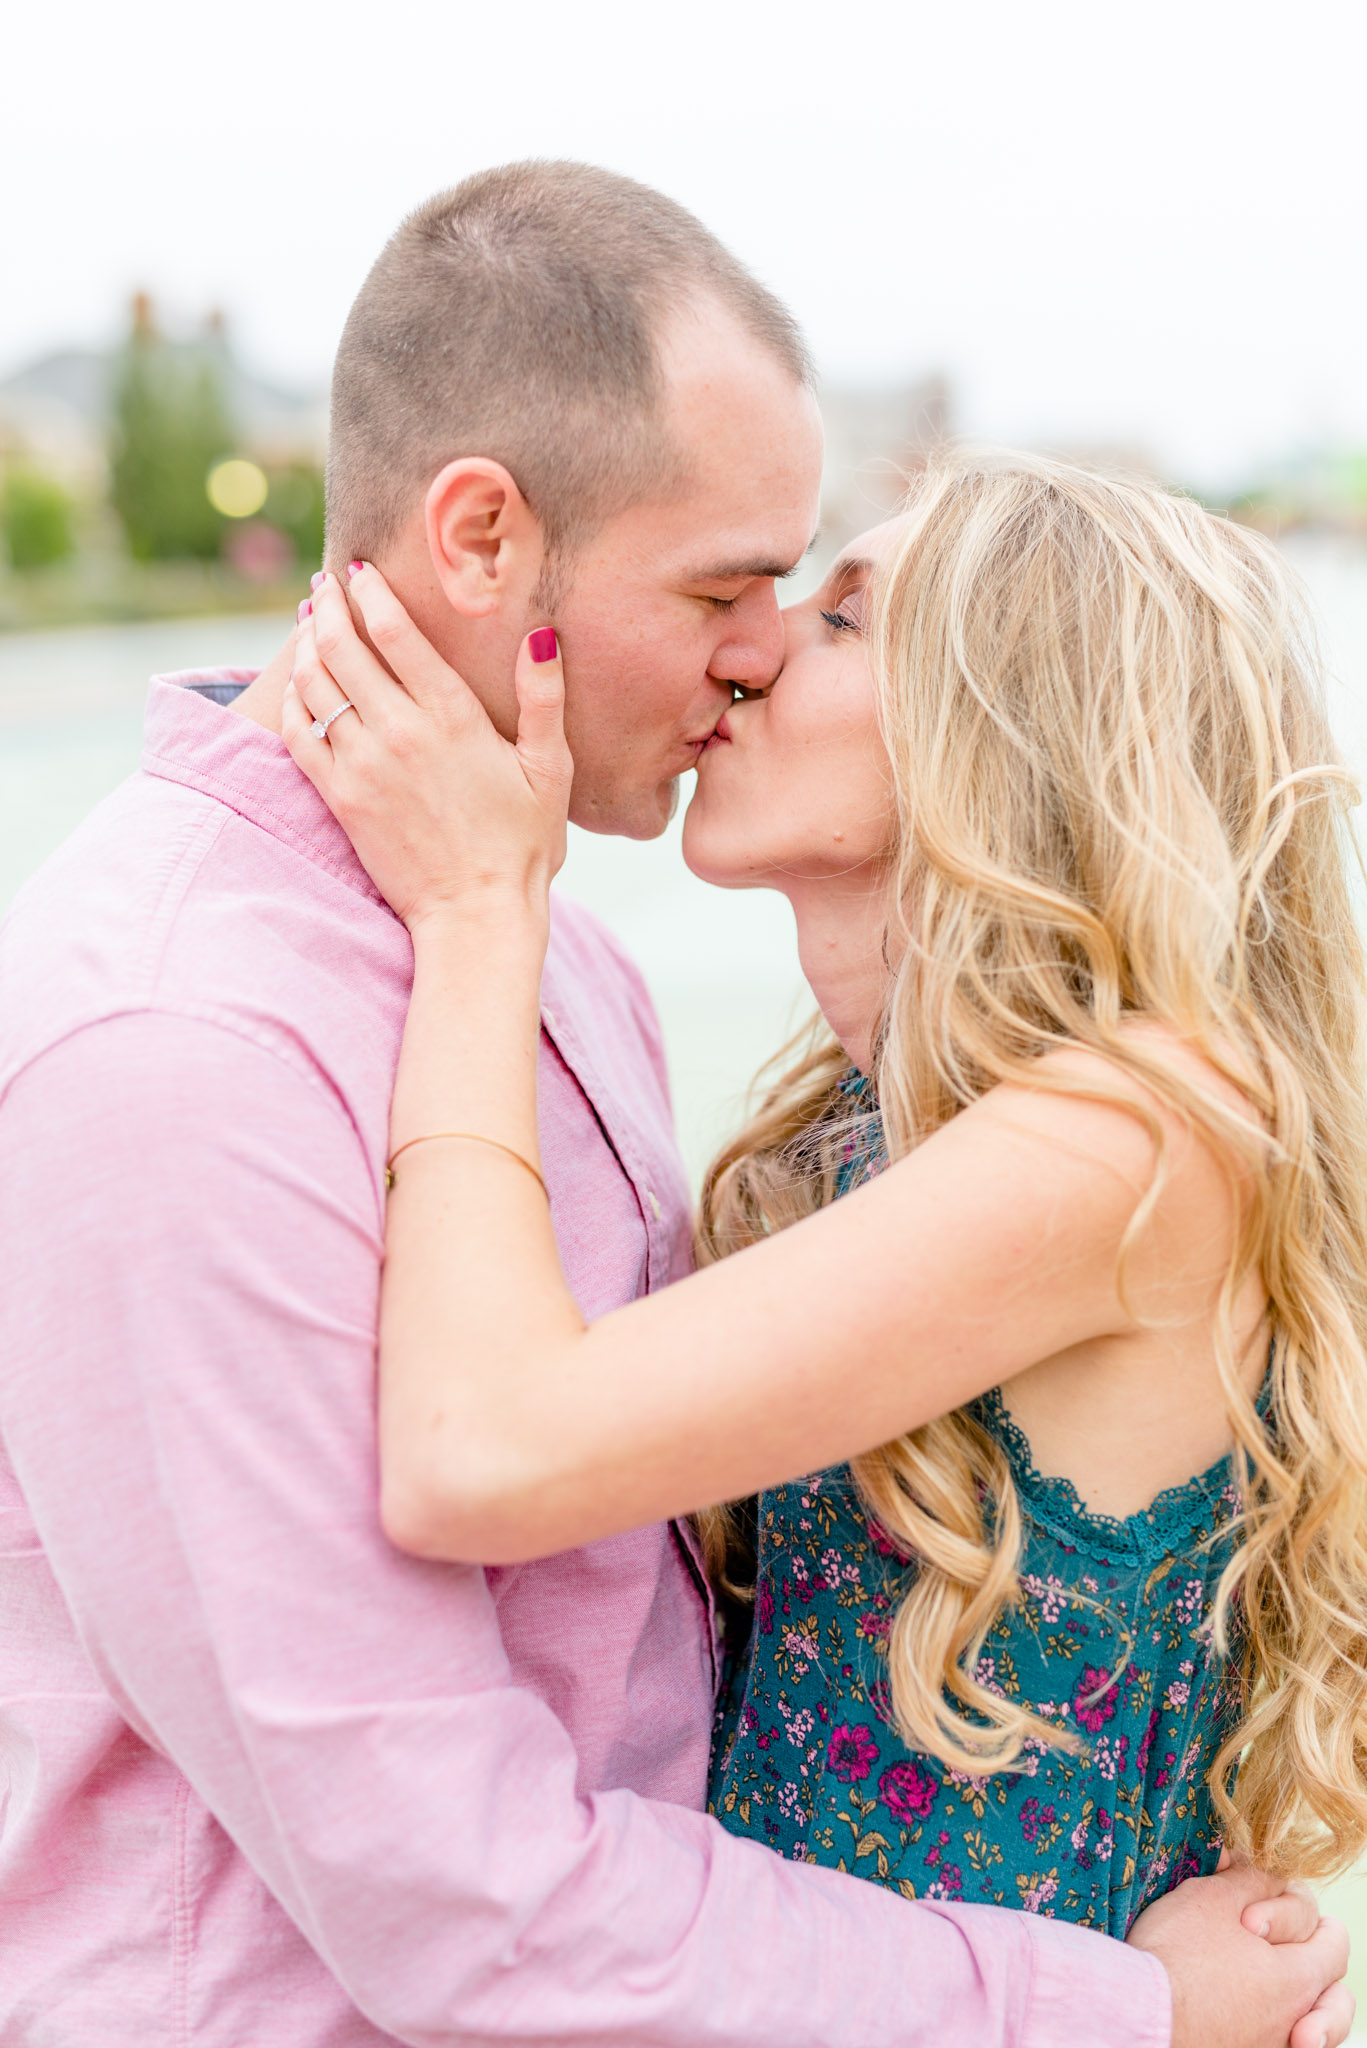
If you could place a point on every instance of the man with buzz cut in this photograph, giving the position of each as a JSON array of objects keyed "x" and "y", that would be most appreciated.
[{"x": 271, "y": 1782}]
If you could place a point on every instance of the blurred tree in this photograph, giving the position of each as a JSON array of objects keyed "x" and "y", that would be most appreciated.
[
  {"x": 35, "y": 515},
  {"x": 295, "y": 506},
  {"x": 170, "y": 426}
]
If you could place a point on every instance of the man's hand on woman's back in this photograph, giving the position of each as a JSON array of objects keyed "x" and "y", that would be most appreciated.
[{"x": 1251, "y": 1962}]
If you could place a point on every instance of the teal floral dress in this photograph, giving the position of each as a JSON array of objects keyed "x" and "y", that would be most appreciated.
[{"x": 1111, "y": 1638}]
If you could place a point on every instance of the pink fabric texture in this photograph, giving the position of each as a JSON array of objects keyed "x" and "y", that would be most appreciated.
[{"x": 263, "y": 1779}]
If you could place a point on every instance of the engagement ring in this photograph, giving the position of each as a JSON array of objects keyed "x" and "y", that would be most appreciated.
[{"x": 320, "y": 725}]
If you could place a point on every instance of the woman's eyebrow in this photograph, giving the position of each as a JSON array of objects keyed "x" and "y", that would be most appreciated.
[{"x": 849, "y": 566}]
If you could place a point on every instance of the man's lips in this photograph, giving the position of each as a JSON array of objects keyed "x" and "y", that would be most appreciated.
[{"x": 719, "y": 736}]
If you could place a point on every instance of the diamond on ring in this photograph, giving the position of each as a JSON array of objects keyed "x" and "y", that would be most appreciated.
[{"x": 319, "y": 728}]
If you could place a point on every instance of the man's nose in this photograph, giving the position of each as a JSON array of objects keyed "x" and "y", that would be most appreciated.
[{"x": 751, "y": 650}]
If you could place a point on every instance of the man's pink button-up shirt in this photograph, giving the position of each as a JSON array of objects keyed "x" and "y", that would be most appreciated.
[{"x": 263, "y": 1779}]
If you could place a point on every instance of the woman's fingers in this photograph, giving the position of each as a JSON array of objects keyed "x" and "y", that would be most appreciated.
[
  {"x": 330, "y": 641},
  {"x": 541, "y": 746},
  {"x": 314, "y": 757},
  {"x": 318, "y": 692},
  {"x": 406, "y": 653}
]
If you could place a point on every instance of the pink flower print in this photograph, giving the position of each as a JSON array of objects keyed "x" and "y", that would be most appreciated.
[
  {"x": 1177, "y": 1695},
  {"x": 1039, "y": 1895},
  {"x": 764, "y": 1608},
  {"x": 1109, "y": 1756},
  {"x": 1146, "y": 1741},
  {"x": 882, "y": 1543},
  {"x": 949, "y": 1879},
  {"x": 1035, "y": 1820},
  {"x": 851, "y": 1753},
  {"x": 797, "y": 1644},
  {"x": 1187, "y": 1605},
  {"x": 907, "y": 1791},
  {"x": 874, "y": 1628},
  {"x": 1051, "y": 1593},
  {"x": 800, "y": 1727},
  {"x": 1094, "y": 1699}
]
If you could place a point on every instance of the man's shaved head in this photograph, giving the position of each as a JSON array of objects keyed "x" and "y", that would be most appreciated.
[{"x": 519, "y": 317}]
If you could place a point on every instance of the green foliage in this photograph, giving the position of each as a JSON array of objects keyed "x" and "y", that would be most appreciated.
[
  {"x": 295, "y": 507},
  {"x": 170, "y": 426},
  {"x": 35, "y": 514}
]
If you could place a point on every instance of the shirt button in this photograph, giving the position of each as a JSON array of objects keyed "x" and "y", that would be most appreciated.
[
  {"x": 653, "y": 1203},
  {"x": 548, "y": 1018}
]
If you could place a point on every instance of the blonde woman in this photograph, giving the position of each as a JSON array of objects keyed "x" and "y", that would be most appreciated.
[{"x": 1044, "y": 1259}]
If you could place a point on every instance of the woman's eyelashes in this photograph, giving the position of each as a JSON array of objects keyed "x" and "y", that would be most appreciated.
[{"x": 841, "y": 621}]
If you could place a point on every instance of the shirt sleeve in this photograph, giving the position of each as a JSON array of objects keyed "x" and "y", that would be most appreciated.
[{"x": 189, "y": 1261}]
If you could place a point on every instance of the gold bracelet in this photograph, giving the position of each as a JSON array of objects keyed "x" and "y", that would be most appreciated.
[{"x": 475, "y": 1138}]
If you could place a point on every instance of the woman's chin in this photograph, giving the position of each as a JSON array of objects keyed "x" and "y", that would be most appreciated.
[{"x": 707, "y": 852}]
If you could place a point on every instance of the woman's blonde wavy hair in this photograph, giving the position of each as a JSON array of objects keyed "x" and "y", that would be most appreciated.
[{"x": 1118, "y": 797}]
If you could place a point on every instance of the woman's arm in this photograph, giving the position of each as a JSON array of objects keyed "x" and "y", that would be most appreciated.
[{"x": 508, "y": 1429}]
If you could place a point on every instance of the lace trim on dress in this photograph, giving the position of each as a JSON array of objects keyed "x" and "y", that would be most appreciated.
[{"x": 1200, "y": 1505}]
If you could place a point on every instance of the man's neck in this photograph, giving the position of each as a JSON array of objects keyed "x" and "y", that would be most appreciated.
[{"x": 262, "y": 699}]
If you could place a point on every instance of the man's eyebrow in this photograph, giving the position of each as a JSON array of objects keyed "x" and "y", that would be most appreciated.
[{"x": 754, "y": 567}]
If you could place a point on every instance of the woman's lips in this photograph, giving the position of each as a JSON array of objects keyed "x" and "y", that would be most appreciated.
[{"x": 719, "y": 736}]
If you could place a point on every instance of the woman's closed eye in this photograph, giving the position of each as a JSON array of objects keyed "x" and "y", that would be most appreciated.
[{"x": 848, "y": 615}]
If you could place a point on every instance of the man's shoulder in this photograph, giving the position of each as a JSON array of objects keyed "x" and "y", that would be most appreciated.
[{"x": 166, "y": 901}]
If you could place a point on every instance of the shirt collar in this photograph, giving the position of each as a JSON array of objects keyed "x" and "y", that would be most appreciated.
[{"x": 190, "y": 738}]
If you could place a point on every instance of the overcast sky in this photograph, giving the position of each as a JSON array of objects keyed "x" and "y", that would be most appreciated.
[{"x": 1140, "y": 224}]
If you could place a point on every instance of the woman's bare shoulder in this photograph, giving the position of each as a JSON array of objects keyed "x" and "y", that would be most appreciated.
[{"x": 1157, "y": 1098}]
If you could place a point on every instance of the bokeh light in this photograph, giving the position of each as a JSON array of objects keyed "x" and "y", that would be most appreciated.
[{"x": 237, "y": 488}]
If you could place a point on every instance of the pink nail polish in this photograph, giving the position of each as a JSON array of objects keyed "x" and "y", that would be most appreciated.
[
  {"x": 305, "y": 607},
  {"x": 543, "y": 645},
  {"x": 320, "y": 577},
  {"x": 352, "y": 567}
]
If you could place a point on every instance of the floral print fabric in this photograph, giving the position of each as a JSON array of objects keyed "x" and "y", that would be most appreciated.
[{"x": 1111, "y": 1638}]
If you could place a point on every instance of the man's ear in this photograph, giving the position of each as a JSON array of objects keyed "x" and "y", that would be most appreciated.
[{"x": 483, "y": 537}]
